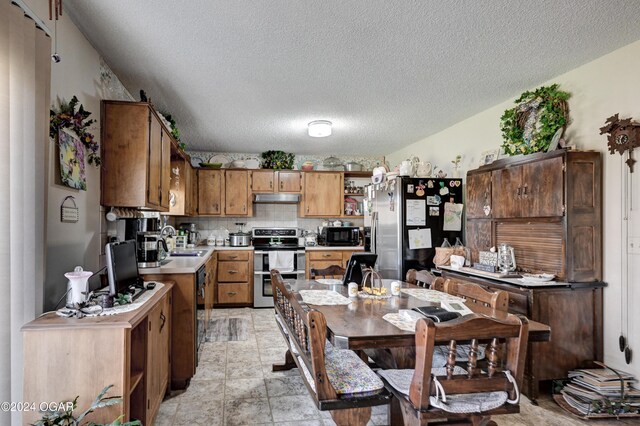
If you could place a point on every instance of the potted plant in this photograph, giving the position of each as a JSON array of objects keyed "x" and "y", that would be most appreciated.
[
  {"x": 65, "y": 417},
  {"x": 277, "y": 160}
]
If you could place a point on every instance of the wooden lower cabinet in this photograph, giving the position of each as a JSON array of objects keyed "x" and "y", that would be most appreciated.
[
  {"x": 574, "y": 314},
  {"x": 321, "y": 259},
  {"x": 234, "y": 279},
  {"x": 69, "y": 357},
  {"x": 183, "y": 332}
]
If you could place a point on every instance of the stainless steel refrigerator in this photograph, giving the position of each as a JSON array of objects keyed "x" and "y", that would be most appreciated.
[{"x": 401, "y": 210}]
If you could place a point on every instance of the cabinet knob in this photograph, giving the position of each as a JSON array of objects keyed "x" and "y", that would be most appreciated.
[
  {"x": 326, "y": 255},
  {"x": 524, "y": 190},
  {"x": 518, "y": 191},
  {"x": 281, "y": 185},
  {"x": 270, "y": 184},
  {"x": 232, "y": 293},
  {"x": 233, "y": 257},
  {"x": 233, "y": 271}
]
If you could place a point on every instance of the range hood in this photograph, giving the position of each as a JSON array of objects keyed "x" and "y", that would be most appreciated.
[{"x": 276, "y": 198}]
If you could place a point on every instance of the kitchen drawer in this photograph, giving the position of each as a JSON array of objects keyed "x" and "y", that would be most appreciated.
[
  {"x": 233, "y": 272},
  {"x": 236, "y": 293},
  {"x": 325, "y": 255},
  {"x": 233, "y": 255}
]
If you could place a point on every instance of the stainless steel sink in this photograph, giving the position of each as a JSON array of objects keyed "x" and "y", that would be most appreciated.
[{"x": 188, "y": 253}]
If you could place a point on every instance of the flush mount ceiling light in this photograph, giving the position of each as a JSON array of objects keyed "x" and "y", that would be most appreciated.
[{"x": 320, "y": 129}]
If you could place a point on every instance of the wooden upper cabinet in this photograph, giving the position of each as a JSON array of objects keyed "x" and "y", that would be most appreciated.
[
  {"x": 192, "y": 185},
  {"x": 506, "y": 187},
  {"x": 322, "y": 194},
  {"x": 478, "y": 195},
  {"x": 548, "y": 207},
  {"x": 210, "y": 184},
  {"x": 289, "y": 181},
  {"x": 183, "y": 188},
  {"x": 135, "y": 157},
  {"x": 265, "y": 181},
  {"x": 262, "y": 181},
  {"x": 533, "y": 189},
  {"x": 543, "y": 188},
  {"x": 237, "y": 201}
]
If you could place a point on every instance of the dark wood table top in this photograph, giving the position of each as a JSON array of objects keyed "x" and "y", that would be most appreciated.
[{"x": 360, "y": 325}]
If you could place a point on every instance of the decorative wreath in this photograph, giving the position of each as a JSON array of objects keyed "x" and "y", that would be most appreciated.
[
  {"x": 77, "y": 121},
  {"x": 530, "y": 126}
]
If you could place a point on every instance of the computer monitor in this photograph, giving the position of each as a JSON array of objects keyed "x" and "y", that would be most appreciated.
[
  {"x": 356, "y": 263},
  {"x": 122, "y": 266}
]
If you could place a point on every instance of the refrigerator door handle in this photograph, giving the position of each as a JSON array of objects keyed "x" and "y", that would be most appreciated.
[{"x": 374, "y": 232}]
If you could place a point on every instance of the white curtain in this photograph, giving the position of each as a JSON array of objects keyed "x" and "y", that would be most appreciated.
[{"x": 25, "y": 74}]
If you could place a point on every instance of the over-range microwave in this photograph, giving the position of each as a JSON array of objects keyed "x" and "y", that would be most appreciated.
[{"x": 341, "y": 236}]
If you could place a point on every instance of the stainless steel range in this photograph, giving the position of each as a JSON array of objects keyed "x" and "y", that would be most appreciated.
[{"x": 275, "y": 248}]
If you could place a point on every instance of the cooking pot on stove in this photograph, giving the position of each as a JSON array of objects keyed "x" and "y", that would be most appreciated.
[{"x": 240, "y": 238}]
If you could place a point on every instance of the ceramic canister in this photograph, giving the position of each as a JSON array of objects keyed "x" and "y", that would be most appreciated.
[{"x": 353, "y": 289}]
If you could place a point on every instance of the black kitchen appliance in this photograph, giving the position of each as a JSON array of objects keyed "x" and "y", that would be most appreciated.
[
  {"x": 152, "y": 249},
  {"x": 201, "y": 277},
  {"x": 403, "y": 205},
  {"x": 340, "y": 236},
  {"x": 275, "y": 245}
]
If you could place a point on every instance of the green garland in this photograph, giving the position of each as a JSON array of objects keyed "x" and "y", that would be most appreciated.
[
  {"x": 77, "y": 121},
  {"x": 522, "y": 137}
]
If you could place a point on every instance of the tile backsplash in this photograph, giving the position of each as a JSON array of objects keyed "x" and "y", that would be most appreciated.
[{"x": 265, "y": 215}]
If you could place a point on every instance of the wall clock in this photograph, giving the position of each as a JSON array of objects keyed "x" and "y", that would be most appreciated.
[{"x": 624, "y": 135}]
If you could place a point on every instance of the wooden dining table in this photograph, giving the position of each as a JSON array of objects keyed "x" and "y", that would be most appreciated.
[{"x": 360, "y": 325}]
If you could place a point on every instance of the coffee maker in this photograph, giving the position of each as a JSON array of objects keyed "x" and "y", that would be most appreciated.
[
  {"x": 152, "y": 249},
  {"x": 145, "y": 230}
]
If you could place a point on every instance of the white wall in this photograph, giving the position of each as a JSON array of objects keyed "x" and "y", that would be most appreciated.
[
  {"x": 72, "y": 244},
  {"x": 608, "y": 85}
]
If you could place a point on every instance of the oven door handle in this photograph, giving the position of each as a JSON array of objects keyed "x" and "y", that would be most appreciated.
[
  {"x": 266, "y": 252},
  {"x": 281, "y": 272}
]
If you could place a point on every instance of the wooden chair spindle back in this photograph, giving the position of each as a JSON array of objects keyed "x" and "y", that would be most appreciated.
[{"x": 473, "y": 293}]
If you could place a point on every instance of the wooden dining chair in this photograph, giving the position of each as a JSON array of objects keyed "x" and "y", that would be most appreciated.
[
  {"x": 422, "y": 278},
  {"x": 462, "y": 395},
  {"x": 333, "y": 271},
  {"x": 474, "y": 293}
]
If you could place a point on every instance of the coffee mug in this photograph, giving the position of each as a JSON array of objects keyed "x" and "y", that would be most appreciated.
[
  {"x": 457, "y": 262},
  {"x": 353, "y": 289}
]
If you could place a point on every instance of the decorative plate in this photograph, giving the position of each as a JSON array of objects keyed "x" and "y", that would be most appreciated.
[
  {"x": 252, "y": 163},
  {"x": 537, "y": 278},
  {"x": 329, "y": 281},
  {"x": 211, "y": 165},
  {"x": 195, "y": 161},
  {"x": 219, "y": 158}
]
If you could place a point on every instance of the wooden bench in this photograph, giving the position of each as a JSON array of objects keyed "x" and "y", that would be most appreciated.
[{"x": 337, "y": 379}]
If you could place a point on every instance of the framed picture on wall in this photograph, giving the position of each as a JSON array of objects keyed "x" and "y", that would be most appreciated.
[{"x": 488, "y": 157}]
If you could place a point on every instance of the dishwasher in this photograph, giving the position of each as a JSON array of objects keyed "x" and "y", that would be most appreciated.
[{"x": 201, "y": 277}]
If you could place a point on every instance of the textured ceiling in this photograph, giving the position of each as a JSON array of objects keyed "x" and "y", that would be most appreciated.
[{"x": 248, "y": 75}]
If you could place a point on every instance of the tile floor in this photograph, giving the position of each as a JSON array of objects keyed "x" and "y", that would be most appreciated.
[{"x": 234, "y": 385}]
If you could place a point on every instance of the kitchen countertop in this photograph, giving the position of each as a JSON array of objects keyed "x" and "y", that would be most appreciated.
[
  {"x": 181, "y": 264},
  {"x": 189, "y": 265}
]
